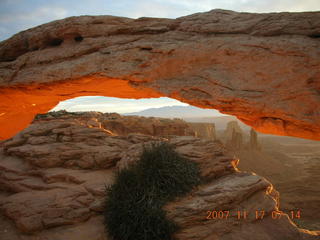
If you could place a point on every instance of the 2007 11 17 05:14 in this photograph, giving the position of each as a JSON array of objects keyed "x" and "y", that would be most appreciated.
[{"x": 243, "y": 214}]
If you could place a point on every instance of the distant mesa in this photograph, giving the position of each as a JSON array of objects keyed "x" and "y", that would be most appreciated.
[
  {"x": 236, "y": 139},
  {"x": 122, "y": 125}
]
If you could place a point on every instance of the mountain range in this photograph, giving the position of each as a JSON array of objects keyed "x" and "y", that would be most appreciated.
[{"x": 190, "y": 114}]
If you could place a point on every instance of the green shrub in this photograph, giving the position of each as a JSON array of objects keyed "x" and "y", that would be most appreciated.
[{"x": 133, "y": 209}]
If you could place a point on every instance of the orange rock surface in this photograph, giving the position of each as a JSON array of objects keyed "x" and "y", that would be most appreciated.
[
  {"x": 262, "y": 68},
  {"x": 20, "y": 104}
]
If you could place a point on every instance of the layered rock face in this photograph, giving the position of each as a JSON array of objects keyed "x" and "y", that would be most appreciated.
[
  {"x": 232, "y": 127},
  {"x": 204, "y": 130},
  {"x": 118, "y": 124},
  {"x": 289, "y": 163},
  {"x": 233, "y": 136},
  {"x": 262, "y": 68},
  {"x": 77, "y": 140},
  {"x": 236, "y": 139},
  {"x": 53, "y": 197},
  {"x": 253, "y": 143}
]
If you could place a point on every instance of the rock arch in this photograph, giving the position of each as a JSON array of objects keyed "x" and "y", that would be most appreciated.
[{"x": 262, "y": 68}]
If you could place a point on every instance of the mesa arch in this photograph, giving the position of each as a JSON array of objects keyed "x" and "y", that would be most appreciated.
[{"x": 262, "y": 68}]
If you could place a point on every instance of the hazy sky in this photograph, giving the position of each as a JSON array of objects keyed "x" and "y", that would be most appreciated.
[
  {"x": 18, "y": 15},
  {"x": 110, "y": 104}
]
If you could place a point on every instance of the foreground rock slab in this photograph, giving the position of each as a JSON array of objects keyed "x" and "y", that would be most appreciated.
[
  {"x": 78, "y": 140},
  {"x": 262, "y": 68},
  {"x": 49, "y": 200}
]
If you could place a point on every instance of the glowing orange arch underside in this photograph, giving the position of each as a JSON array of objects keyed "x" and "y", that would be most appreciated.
[{"x": 20, "y": 104}]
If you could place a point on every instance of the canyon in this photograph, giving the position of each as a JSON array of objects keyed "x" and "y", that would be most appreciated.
[
  {"x": 291, "y": 164},
  {"x": 54, "y": 174},
  {"x": 262, "y": 68}
]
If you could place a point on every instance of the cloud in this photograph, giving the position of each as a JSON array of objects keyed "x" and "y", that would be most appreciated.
[
  {"x": 144, "y": 8},
  {"x": 11, "y": 23},
  {"x": 42, "y": 13},
  {"x": 243, "y": 5}
]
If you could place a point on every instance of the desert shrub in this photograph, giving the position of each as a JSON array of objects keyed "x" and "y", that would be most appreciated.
[{"x": 133, "y": 207}]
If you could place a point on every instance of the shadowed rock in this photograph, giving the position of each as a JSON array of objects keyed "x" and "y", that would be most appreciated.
[{"x": 52, "y": 193}]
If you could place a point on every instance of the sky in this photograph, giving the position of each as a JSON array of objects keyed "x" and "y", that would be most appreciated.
[
  {"x": 110, "y": 104},
  {"x": 18, "y": 15}
]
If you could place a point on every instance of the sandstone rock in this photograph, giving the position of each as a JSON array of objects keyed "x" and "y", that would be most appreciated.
[
  {"x": 91, "y": 229},
  {"x": 262, "y": 68},
  {"x": 240, "y": 195},
  {"x": 234, "y": 136},
  {"x": 78, "y": 140},
  {"x": 213, "y": 159},
  {"x": 65, "y": 197},
  {"x": 204, "y": 130},
  {"x": 68, "y": 144},
  {"x": 253, "y": 143},
  {"x": 124, "y": 125},
  {"x": 232, "y": 127},
  {"x": 222, "y": 195},
  {"x": 36, "y": 210},
  {"x": 66, "y": 201},
  {"x": 116, "y": 124}
]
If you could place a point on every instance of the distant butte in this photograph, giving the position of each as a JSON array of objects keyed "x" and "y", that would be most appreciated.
[{"x": 262, "y": 68}]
